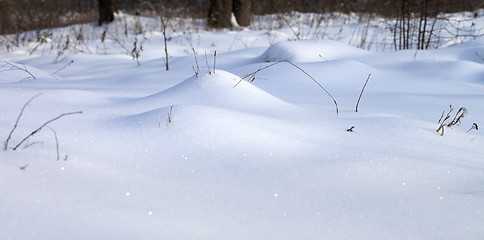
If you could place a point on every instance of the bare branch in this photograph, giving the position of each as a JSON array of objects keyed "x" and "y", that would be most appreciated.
[
  {"x": 43, "y": 125},
  {"x": 5, "y": 144},
  {"x": 15, "y": 67}
]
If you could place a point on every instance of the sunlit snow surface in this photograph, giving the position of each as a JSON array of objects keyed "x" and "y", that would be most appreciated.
[{"x": 235, "y": 160}]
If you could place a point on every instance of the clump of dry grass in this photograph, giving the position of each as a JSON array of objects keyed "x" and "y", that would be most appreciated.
[{"x": 461, "y": 113}]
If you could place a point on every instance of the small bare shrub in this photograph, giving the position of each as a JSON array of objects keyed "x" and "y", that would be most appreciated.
[{"x": 137, "y": 49}]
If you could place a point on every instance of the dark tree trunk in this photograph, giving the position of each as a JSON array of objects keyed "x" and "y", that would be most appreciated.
[
  {"x": 241, "y": 9},
  {"x": 106, "y": 11},
  {"x": 219, "y": 13}
]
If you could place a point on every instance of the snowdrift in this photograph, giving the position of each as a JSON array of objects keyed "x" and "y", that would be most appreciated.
[
  {"x": 310, "y": 51},
  {"x": 220, "y": 89}
]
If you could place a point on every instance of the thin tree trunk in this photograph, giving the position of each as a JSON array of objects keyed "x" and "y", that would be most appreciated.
[
  {"x": 242, "y": 11},
  {"x": 166, "y": 47},
  {"x": 425, "y": 23},
  {"x": 219, "y": 13},
  {"x": 106, "y": 11}
]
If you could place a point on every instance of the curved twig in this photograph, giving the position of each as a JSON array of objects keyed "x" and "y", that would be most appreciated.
[
  {"x": 43, "y": 125},
  {"x": 363, "y": 89},
  {"x": 251, "y": 78}
]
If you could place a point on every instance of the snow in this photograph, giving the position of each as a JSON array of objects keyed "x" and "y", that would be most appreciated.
[
  {"x": 310, "y": 51},
  {"x": 237, "y": 160}
]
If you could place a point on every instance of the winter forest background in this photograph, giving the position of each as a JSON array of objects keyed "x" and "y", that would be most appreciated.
[{"x": 24, "y": 15}]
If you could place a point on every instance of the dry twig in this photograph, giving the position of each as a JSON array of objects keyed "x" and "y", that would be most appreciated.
[
  {"x": 363, "y": 89},
  {"x": 14, "y": 67},
  {"x": 5, "y": 144},
  {"x": 64, "y": 67},
  {"x": 43, "y": 125}
]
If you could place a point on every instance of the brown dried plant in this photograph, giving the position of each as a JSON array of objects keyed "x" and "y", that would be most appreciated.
[{"x": 461, "y": 113}]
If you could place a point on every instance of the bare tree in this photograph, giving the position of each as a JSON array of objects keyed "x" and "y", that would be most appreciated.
[
  {"x": 219, "y": 13},
  {"x": 106, "y": 11},
  {"x": 241, "y": 9}
]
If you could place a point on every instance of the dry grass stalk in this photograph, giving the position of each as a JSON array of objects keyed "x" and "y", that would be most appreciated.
[
  {"x": 363, "y": 89},
  {"x": 214, "y": 58},
  {"x": 208, "y": 66},
  {"x": 196, "y": 61},
  {"x": 294, "y": 32},
  {"x": 64, "y": 67},
  {"x": 169, "y": 113},
  {"x": 250, "y": 77}
]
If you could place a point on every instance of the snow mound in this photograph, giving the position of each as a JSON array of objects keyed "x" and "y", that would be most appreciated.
[
  {"x": 310, "y": 51},
  {"x": 18, "y": 72},
  {"x": 221, "y": 89}
]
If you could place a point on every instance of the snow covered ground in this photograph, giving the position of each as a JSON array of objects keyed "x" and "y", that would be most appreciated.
[{"x": 161, "y": 154}]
